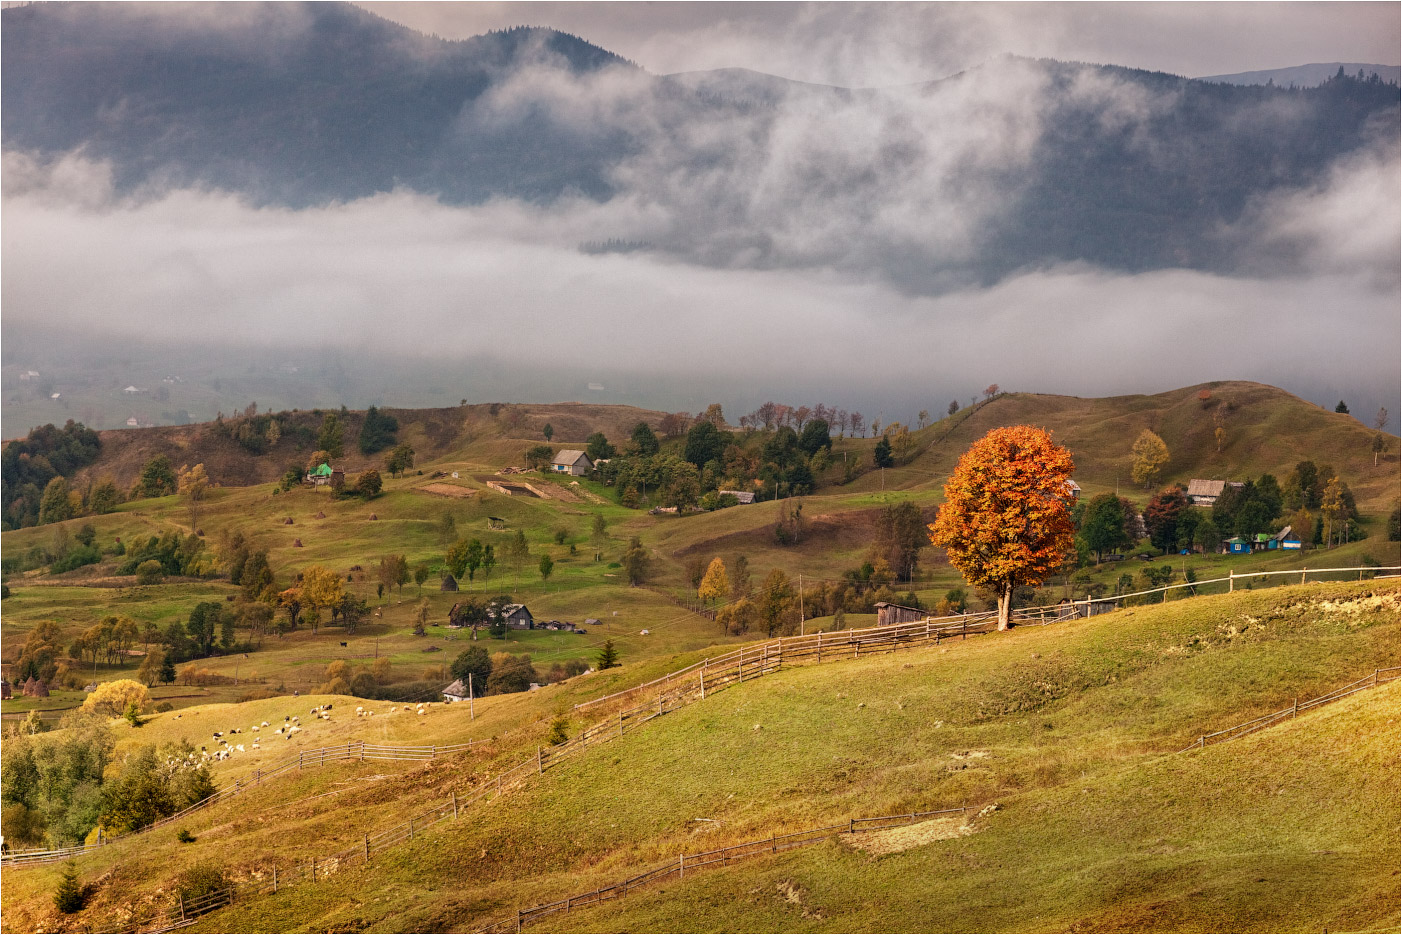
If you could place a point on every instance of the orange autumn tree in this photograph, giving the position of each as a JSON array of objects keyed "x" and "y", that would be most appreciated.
[{"x": 1006, "y": 519}]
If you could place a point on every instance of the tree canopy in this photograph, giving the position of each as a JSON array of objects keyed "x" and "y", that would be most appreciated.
[{"x": 1006, "y": 521}]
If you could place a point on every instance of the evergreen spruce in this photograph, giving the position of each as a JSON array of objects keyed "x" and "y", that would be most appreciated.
[
  {"x": 68, "y": 897},
  {"x": 608, "y": 656}
]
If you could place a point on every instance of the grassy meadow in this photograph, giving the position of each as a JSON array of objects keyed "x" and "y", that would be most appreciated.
[{"x": 1070, "y": 728}]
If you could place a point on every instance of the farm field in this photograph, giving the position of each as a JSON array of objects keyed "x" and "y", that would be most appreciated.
[{"x": 1069, "y": 728}]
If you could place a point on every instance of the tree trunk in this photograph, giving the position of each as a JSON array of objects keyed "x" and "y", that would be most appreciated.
[{"x": 1005, "y": 606}]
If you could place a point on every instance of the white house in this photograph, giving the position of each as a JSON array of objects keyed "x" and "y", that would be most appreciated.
[
  {"x": 573, "y": 462},
  {"x": 741, "y": 496}
]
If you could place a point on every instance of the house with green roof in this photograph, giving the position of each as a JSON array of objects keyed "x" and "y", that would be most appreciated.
[{"x": 320, "y": 475}]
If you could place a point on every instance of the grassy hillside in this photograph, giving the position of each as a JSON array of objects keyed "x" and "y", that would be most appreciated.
[{"x": 1070, "y": 728}]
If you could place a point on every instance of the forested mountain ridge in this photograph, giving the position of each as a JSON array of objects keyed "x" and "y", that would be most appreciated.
[{"x": 302, "y": 104}]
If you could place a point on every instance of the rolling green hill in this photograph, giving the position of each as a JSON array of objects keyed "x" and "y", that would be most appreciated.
[{"x": 1071, "y": 729}]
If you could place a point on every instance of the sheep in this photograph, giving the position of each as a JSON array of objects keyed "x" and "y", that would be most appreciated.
[
  {"x": 239, "y": 748},
  {"x": 254, "y": 728},
  {"x": 265, "y": 724},
  {"x": 327, "y": 707},
  {"x": 278, "y": 731},
  {"x": 217, "y": 735},
  {"x": 179, "y": 716},
  {"x": 294, "y": 730}
]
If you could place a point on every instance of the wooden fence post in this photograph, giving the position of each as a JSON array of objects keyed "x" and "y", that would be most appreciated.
[
  {"x": 313, "y": 869},
  {"x": 518, "y": 920},
  {"x": 820, "y": 645},
  {"x": 367, "y": 848},
  {"x": 455, "y": 805},
  {"x": 681, "y": 866},
  {"x": 299, "y": 759},
  {"x": 703, "y": 681},
  {"x": 275, "y": 878},
  {"x": 411, "y": 829},
  {"x": 851, "y": 825},
  {"x": 539, "y": 760},
  {"x": 1303, "y": 572},
  {"x": 1295, "y": 708},
  {"x": 181, "y": 897},
  {"x": 1231, "y": 581}
]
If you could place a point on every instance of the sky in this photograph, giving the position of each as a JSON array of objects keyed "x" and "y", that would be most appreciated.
[
  {"x": 798, "y": 265},
  {"x": 875, "y": 44}
]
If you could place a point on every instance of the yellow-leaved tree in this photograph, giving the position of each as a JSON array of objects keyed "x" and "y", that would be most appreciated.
[
  {"x": 1006, "y": 519},
  {"x": 1150, "y": 455},
  {"x": 321, "y": 587},
  {"x": 112, "y": 698},
  {"x": 715, "y": 586}
]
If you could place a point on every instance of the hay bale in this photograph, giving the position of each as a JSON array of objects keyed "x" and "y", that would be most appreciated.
[
  {"x": 287, "y": 522},
  {"x": 320, "y": 515},
  {"x": 373, "y": 516},
  {"x": 296, "y": 543}
]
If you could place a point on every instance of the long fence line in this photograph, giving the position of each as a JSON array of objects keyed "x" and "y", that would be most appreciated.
[
  {"x": 305, "y": 759},
  {"x": 978, "y": 622},
  {"x": 731, "y": 669},
  {"x": 722, "y": 856},
  {"x": 1377, "y": 677}
]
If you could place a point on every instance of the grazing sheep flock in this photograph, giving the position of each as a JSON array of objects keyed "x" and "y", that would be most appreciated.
[{"x": 291, "y": 724}]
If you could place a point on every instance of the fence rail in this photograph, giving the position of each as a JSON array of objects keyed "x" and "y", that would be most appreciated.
[
  {"x": 796, "y": 647},
  {"x": 1377, "y": 677},
  {"x": 773, "y": 844}
]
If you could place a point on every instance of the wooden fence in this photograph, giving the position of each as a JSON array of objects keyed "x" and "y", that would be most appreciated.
[
  {"x": 723, "y": 856},
  {"x": 1378, "y": 677},
  {"x": 813, "y": 646}
]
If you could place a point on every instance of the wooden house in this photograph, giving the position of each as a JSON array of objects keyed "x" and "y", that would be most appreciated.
[
  {"x": 1236, "y": 545},
  {"x": 573, "y": 462},
  {"x": 888, "y": 613},
  {"x": 320, "y": 475},
  {"x": 518, "y": 617},
  {"x": 741, "y": 496},
  {"x": 1204, "y": 492}
]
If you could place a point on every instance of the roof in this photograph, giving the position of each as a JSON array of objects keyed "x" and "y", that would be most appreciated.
[
  {"x": 744, "y": 496},
  {"x": 570, "y": 456},
  {"x": 510, "y": 609},
  {"x": 1241, "y": 539},
  {"x": 323, "y": 471},
  {"x": 457, "y": 689},
  {"x": 1205, "y": 488}
]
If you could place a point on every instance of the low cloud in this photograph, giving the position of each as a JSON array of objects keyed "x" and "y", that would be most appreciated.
[{"x": 403, "y": 274}]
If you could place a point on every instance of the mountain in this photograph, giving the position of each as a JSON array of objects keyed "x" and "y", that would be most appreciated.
[
  {"x": 1310, "y": 76},
  {"x": 1043, "y": 162}
]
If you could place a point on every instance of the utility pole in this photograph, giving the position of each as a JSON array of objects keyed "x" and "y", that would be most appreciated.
[
  {"x": 801, "y": 616},
  {"x": 471, "y": 699}
]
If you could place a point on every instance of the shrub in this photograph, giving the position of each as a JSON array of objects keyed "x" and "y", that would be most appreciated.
[
  {"x": 559, "y": 731},
  {"x": 184, "y": 836},
  {"x": 149, "y": 572},
  {"x": 200, "y": 882},
  {"x": 165, "y": 706}
]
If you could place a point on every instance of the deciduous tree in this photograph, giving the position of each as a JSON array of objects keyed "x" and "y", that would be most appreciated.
[
  {"x": 1150, "y": 455},
  {"x": 1005, "y": 521},
  {"x": 715, "y": 585}
]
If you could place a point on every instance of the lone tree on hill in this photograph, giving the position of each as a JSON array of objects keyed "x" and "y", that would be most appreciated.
[
  {"x": 716, "y": 584},
  {"x": 1342, "y": 407},
  {"x": 1150, "y": 455},
  {"x": 1005, "y": 521},
  {"x": 608, "y": 656},
  {"x": 548, "y": 431},
  {"x": 881, "y": 454}
]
